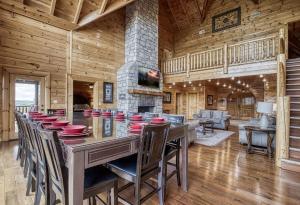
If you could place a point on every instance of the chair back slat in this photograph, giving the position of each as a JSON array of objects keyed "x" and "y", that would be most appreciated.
[
  {"x": 37, "y": 142},
  {"x": 152, "y": 147},
  {"x": 54, "y": 158}
]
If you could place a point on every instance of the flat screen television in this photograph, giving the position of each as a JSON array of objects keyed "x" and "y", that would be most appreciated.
[{"x": 149, "y": 77}]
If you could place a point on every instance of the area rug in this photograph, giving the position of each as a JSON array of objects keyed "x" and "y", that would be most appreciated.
[{"x": 213, "y": 139}]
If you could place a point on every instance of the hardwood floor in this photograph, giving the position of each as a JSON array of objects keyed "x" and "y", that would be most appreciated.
[{"x": 218, "y": 175}]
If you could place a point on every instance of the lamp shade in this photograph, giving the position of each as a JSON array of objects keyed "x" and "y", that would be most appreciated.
[{"x": 265, "y": 107}]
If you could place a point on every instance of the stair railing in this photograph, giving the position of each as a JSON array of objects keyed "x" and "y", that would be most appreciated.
[{"x": 283, "y": 104}]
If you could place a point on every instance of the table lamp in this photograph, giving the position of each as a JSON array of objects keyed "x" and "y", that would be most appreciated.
[{"x": 265, "y": 108}]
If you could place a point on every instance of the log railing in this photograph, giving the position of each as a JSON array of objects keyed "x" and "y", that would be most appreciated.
[
  {"x": 253, "y": 51},
  {"x": 23, "y": 109}
]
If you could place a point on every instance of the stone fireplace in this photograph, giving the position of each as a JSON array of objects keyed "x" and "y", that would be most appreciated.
[{"x": 141, "y": 52}]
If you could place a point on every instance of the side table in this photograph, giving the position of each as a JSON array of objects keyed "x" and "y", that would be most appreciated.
[{"x": 270, "y": 131}]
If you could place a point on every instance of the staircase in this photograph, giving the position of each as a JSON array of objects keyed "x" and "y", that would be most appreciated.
[{"x": 293, "y": 90}]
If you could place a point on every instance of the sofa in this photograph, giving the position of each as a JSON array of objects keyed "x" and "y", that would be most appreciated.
[
  {"x": 220, "y": 118},
  {"x": 258, "y": 138},
  {"x": 179, "y": 119}
]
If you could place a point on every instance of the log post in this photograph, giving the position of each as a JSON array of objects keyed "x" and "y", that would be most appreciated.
[
  {"x": 225, "y": 59},
  {"x": 188, "y": 64},
  {"x": 282, "y": 129}
]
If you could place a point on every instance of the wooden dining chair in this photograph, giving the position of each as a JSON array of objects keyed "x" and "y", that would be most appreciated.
[
  {"x": 140, "y": 167},
  {"x": 97, "y": 179},
  {"x": 21, "y": 140},
  {"x": 31, "y": 160},
  {"x": 173, "y": 151},
  {"x": 42, "y": 182},
  {"x": 173, "y": 147}
]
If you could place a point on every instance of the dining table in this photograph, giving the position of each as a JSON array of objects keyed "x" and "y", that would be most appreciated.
[{"x": 110, "y": 139}]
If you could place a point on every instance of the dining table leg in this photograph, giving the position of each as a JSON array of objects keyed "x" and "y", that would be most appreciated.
[
  {"x": 184, "y": 160},
  {"x": 76, "y": 178}
]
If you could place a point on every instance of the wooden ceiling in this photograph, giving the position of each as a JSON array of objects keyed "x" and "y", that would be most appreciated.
[
  {"x": 74, "y": 14},
  {"x": 187, "y": 13},
  {"x": 65, "y": 14}
]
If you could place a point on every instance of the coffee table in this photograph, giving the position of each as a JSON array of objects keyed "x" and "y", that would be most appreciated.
[{"x": 208, "y": 125}]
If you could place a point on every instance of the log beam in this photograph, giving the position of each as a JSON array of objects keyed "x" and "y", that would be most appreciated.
[
  {"x": 78, "y": 11},
  {"x": 102, "y": 7},
  {"x": 95, "y": 15},
  {"x": 52, "y": 7}
]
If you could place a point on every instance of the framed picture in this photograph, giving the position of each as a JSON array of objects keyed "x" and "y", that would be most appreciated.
[
  {"x": 107, "y": 127},
  {"x": 226, "y": 20},
  {"x": 108, "y": 93},
  {"x": 167, "y": 97},
  {"x": 210, "y": 100}
]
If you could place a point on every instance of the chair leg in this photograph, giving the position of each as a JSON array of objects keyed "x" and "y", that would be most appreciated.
[
  {"x": 137, "y": 193},
  {"x": 114, "y": 193},
  {"x": 178, "y": 167},
  {"x": 166, "y": 177},
  {"x": 29, "y": 180},
  {"x": 38, "y": 194}
]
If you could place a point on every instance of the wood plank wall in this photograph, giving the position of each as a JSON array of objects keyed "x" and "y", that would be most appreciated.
[
  {"x": 31, "y": 47},
  {"x": 257, "y": 21}
]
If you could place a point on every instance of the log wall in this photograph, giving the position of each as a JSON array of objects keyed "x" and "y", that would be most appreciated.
[
  {"x": 34, "y": 48},
  {"x": 258, "y": 20}
]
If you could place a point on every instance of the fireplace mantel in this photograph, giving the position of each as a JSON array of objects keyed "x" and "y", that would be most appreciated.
[{"x": 145, "y": 92}]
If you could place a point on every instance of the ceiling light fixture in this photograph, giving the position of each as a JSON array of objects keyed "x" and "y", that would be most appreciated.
[
  {"x": 239, "y": 82},
  {"x": 218, "y": 83},
  {"x": 184, "y": 85},
  {"x": 229, "y": 87},
  {"x": 264, "y": 80},
  {"x": 190, "y": 82},
  {"x": 261, "y": 76},
  {"x": 174, "y": 83},
  {"x": 224, "y": 85},
  {"x": 232, "y": 78}
]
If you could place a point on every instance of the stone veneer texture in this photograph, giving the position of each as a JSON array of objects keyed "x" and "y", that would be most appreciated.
[{"x": 141, "y": 51}]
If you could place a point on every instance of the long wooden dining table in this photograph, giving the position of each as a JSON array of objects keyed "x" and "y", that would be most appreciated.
[{"x": 111, "y": 140}]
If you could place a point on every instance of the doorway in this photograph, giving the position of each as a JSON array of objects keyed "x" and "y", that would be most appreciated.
[
  {"x": 192, "y": 104},
  {"x": 294, "y": 40},
  {"x": 26, "y": 93}
]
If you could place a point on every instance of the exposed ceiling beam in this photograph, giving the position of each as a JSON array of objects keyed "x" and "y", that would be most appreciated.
[
  {"x": 52, "y": 7},
  {"x": 78, "y": 11},
  {"x": 103, "y": 6},
  {"x": 173, "y": 14},
  {"x": 93, "y": 16},
  {"x": 256, "y": 1},
  {"x": 204, "y": 10},
  {"x": 35, "y": 14}
]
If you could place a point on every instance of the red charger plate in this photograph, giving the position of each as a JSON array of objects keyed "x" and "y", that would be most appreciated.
[
  {"x": 74, "y": 129},
  {"x": 60, "y": 123}
]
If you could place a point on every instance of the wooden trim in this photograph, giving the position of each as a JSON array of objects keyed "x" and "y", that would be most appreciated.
[
  {"x": 78, "y": 11},
  {"x": 93, "y": 16},
  {"x": 5, "y": 106},
  {"x": 144, "y": 92},
  {"x": 52, "y": 7}
]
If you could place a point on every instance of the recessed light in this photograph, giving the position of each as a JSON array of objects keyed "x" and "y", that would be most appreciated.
[
  {"x": 218, "y": 83},
  {"x": 224, "y": 85},
  {"x": 247, "y": 85},
  {"x": 239, "y": 82},
  {"x": 229, "y": 86},
  {"x": 232, "y": 78},
  {"x": 184, "y": 85},
  {"x": 190, "y": 82},
  {"x": 244, "y": 83},
  {"x": 209, "y": 80},
  {"x": 174, "y": 83},
  {"x": 264, "y": 80},
  {"x": 170, "y": 87},
  {"x": 261, "y": 76}
]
